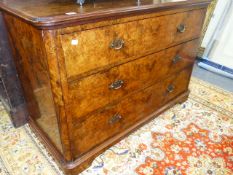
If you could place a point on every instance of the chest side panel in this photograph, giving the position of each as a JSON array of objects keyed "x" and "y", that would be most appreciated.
[{"x": 31, "y": 64}]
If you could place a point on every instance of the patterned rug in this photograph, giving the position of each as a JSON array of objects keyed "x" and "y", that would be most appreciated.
[{"x": 194, "y": 138}]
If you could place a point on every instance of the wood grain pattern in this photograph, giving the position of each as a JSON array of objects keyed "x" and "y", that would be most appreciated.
[
  {"x": 22, "y": 65},
  {"x": 125, "y": 19},
  {"x": 131, "y": 109},
  {"x": 140, "y": 38},
  {"x": 92, "y": 92},
  {"x": 50, "y": 47},
  {"x": 31, "y": 64}
]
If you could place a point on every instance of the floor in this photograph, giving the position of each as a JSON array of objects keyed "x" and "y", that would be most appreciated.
[{"x": 213, "y": 78}]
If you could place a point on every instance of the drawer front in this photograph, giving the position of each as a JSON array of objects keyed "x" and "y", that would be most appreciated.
[
  {"x": 100, "y": 89},
  {"x": 89, "y": 50},
  {"x": 115, "y": 118}
]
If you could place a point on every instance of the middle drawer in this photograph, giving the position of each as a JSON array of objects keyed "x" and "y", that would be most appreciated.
[{"x": 95, "y": 91}]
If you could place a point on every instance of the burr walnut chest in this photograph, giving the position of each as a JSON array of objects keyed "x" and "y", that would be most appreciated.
[{"x": 92, "y": 74}]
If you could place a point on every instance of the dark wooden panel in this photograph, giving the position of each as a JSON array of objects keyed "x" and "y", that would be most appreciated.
[
  {"x": 115, "y": 118},
  {"x": 10, "y": 88}
]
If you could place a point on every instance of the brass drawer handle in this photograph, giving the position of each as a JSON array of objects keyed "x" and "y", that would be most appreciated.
[
  {"x": 117, "y": 44},
  {"x": 181, "y": 28},
  {"x": 176, "y": 59},
  {"x": 170, "y": 88},
  {"x": 116, "y": 84},
  {"x": 115, "y": 118}
]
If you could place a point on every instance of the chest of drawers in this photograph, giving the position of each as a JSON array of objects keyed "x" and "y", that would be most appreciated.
[{"x": 93, "y": 74}]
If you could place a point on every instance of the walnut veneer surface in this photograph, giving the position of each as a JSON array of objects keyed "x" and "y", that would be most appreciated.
[{"x": 93, "y": 74}]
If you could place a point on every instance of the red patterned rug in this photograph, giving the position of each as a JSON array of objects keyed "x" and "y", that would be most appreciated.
[{"x": 195, "y": 151}]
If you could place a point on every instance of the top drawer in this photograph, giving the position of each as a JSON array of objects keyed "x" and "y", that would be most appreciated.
[{"x": 110, "y": 45}]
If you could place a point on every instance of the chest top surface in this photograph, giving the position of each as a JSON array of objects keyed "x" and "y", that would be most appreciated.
[{"x": 47, "y": 13}]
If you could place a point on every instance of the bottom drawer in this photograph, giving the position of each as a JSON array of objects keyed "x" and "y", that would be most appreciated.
[{"x": 115, "y": 118}]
